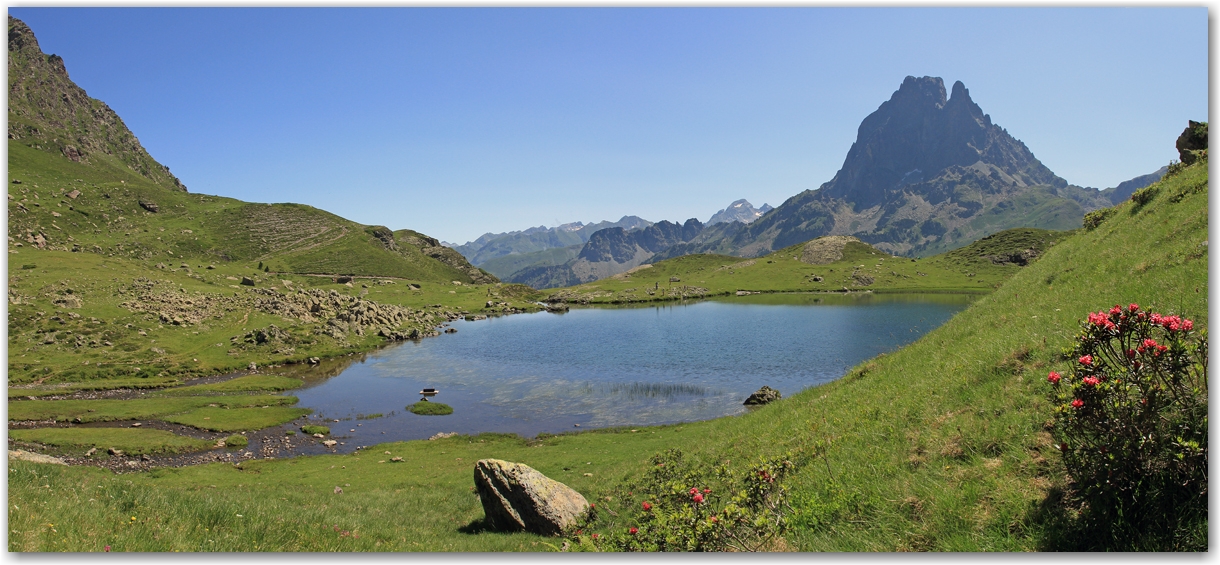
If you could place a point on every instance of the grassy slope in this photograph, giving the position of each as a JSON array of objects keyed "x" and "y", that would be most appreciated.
[
  {"x": 192, "y": 349},
  {"x": 107, "y": 219},
  {"x": 962, "y": 270},
  {"x": 938, "y": 446}
]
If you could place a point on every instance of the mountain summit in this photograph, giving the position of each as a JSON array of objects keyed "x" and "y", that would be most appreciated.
[
  {"x": 927, "y": 173},
  {"x": 739, "y": 211},
  {"x": 918, "y": 135}
]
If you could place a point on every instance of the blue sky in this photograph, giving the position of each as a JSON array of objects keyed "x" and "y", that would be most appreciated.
[{"x": 457, "y": 121}]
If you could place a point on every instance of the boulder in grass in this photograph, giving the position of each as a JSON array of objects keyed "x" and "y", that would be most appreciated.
[
  {"x": 516, "y": 497},
  {"x": 762, "y": 396}
]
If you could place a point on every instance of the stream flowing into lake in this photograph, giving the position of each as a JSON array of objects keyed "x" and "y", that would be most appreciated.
[{"x": 599, "y": 367}]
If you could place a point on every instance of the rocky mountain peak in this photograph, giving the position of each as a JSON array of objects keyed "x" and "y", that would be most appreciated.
[
  {"x": 739, "y": 211},
  {"x": 917, "y": 134}
]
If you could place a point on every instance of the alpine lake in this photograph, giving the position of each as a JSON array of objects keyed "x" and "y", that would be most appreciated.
[{"x": 596, "y": 367}]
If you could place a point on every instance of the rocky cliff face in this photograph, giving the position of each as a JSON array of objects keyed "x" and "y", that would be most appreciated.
[{"x": 49, "y": 112}]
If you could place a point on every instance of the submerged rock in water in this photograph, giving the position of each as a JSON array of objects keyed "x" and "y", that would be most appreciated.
[
  {"x": 762, "y": 396},
  {"x": 516, "y": 497}
]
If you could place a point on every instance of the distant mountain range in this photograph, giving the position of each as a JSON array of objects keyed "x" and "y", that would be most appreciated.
[
  {"x": 507, "y": 254},
  {"x": 609, "y": 252},
  {"x": 928, "y": 173}
]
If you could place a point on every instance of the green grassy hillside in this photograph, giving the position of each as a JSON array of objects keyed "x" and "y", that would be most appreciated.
[
  {"x": 938, "y": 446},
  {"x": 851, "y": 267},
  {"x": 58, "y": 204}
]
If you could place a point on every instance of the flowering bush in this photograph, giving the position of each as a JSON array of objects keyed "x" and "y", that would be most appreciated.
[
  {"x": 1131, "y": 419},
  {"x": 683, "y": 507}
]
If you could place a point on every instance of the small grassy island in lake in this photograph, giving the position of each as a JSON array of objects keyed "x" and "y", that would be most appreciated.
[{"x": 426, "y": 408}]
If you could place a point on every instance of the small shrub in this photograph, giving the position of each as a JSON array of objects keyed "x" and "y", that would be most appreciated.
[
  {"x": 1175, "y": 167},
  {"x": 680, "y": 506},
  {"x": 1145, "y": 195},
  {"x": 1096, "y": 217},
  {"x": 29, "y": 266},
  {"x": 424, "y": 408},
  {"x": 311, "y": 430},
  {"x": 236, "y": 440},
  {"x": 1131, "y": 423}
]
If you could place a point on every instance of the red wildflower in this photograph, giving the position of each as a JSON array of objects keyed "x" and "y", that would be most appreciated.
[
  {"x": 1053, "y": 378},
  {"x": 592, "y": 506},
  {"x": 107, "y": 548},
  {"x": 633, "y": 531},
  {"x": 1130, "y": 354},
  {"x": 1133, "y": 307},
  {"x": 647, "y": 506},
  {"x": 698, "y": 498},
  {"x": 1116, "y": 310},
  {"x": 1077, "y": 403},
  {"x": 1091, "y": 381},
  {"x": 594, "y": 536},
  {"x": 707, "y": 491},
  {"x": 714, "y": 519},
  {"x": 694, "y": 491},
  {"x": 1086, "y": 360}
]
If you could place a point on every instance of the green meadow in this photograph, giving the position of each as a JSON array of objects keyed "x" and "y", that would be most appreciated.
[{"x": 939, "y": 446}]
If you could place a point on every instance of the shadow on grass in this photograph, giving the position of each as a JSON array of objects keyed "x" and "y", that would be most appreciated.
[
  {"x": 477, "y": 526},
  {"x": 1064, "y": 524}
]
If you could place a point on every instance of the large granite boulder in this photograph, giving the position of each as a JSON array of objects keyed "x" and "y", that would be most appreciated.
[{"x": 516, "y": 497}]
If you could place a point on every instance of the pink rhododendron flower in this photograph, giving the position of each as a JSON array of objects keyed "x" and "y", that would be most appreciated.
[
  {"x": 1077, "y": 403},
  {"x": 633, "y": 531},
  {"x": 698, "y": 498},
  {"x": 1053, "y": 378},
  {"x": 1086, "y": 360},
  {"x": 1091, "y": 381},
  {"x": 1133, "y": 307},
  {"x": 647, "y": 506}
]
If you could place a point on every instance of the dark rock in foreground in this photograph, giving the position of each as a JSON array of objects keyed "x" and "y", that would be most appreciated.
[
  {"x": 763, "y": 395},
  {"x": 516, "y": 497}
]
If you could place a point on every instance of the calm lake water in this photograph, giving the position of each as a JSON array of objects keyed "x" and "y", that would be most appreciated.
[{"x": 598, "y": 367}]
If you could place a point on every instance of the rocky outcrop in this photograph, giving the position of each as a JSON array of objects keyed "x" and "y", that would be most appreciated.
[
  {"x": 1192, "y": 144},
  {"x": 761, "y": 396},
  {"x": 516, "y": 497},
  {"x": 825, "y": 250}
]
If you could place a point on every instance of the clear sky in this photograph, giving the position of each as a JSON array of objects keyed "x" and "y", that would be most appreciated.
[{"x": 459, "y": 121}]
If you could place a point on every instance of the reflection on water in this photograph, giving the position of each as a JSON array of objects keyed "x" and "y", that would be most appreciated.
[
  {"x": 596, "y": 367},
  {"x": 654, "y": 390}
]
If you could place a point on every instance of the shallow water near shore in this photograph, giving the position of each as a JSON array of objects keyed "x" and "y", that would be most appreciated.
[{"x": 600, "y": 367}]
